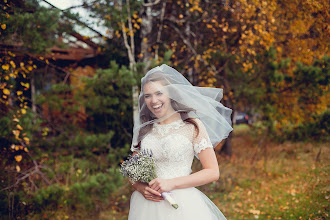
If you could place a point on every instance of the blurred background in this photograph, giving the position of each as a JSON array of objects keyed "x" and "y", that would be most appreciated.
[{"x": 70, "y": 75}]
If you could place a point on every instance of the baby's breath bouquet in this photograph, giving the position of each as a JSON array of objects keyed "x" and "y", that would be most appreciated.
[{"x": 142, "y": 167}]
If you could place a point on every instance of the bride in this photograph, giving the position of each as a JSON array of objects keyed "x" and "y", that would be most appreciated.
[{"x": 177, "y": 121}]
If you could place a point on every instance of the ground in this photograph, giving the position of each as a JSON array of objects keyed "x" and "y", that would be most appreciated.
[{"x": 262, "y": 180}]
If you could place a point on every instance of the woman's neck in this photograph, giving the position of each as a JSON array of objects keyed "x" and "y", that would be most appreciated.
[{"x": 171, "y": 119}]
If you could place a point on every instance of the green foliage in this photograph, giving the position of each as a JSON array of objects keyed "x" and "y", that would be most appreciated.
[
  {"x": 108, "y": 100},
  {"x": 317, "y": 130},
  {"x": 80, "y": 141},
  {"x": 83, "y": 195},
  {"x": 49, "y": 197},
  {"x": 35, "y": 26},
  {"x": 310, "y": 80}
]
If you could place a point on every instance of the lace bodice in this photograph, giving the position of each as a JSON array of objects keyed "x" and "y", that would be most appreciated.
[{"x": 174, "y": 145}]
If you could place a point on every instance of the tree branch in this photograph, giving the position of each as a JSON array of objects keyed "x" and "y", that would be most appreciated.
[
  {"x": 151, "y": 3},
  {"x": 80, "y": 22},
  {"x": 130, "y": 28},
  {"x": 160, "y": 29}
]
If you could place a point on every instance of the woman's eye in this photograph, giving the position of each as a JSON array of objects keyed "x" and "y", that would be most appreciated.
[
  {"x": 146, "y": 96},
  {"x": 159, "y": 93}
]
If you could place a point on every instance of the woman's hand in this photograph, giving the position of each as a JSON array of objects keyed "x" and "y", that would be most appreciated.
[
  {"x": 147, "y": 192},
  {"x": 161, "y": 185}
]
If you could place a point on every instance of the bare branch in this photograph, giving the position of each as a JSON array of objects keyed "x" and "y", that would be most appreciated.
[
  {"x": 80, "y": 22},
  {"x": 29, "y": 173},
  {"x": 151, "y": 3},
  {"x": 128, "y": 47},
  {"x": 160, "y": 29},
  {"x": 127, "y": 133},
  {"x": 130, "y": 28}
]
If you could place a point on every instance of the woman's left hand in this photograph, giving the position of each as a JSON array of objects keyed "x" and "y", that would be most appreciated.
[{"x": 161, "y": 185}]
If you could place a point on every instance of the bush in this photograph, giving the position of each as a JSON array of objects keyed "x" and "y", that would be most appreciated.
[{"x": 318, "y": 130}]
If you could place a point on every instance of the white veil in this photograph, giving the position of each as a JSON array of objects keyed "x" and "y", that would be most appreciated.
[{"x": 190, "y": 101}]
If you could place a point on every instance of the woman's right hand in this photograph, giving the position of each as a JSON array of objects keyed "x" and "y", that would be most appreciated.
[{"x": 147, "y": 192}]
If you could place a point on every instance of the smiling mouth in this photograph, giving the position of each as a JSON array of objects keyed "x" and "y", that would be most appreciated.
[{"x": 157, "y": 107}]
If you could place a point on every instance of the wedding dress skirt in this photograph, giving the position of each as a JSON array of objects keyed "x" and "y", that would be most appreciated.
[
  {"x": 173, "y": 147},
  {"x": 193, "y": 205}
]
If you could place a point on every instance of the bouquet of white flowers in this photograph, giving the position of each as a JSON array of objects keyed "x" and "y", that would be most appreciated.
[{"x": 141, "y": 167}]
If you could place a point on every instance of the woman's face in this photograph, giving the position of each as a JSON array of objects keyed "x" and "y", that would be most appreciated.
[{"x": 157, "y": 100}]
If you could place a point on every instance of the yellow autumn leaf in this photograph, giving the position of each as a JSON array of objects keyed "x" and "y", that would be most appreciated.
[
  {"x": 19, "y": 92},
  {"x": 16, "y": 147},
  {"x": 3, "y": 26},
  {"x": 136, "y": 26},
  {"x": 30, "y": 68},
  {"x": 27, "y": 140},
  {"x": 18, "y": 158},
  {"x": 19, "y": 127},
  {"x": 26, "y": 150},
  {"x": 18, "y": 169},
  {"x": 23, "y": 111},
  {"x": 12, "y": 63},
  {"x": 5, "y": 67},
  {"x": 11, "y": 54},
  {"x": 6, "y": 91},
  {"x": 126, "y": 29},
  {"x": 16, "y": 132},
  {"x": 27, "y": 85}
]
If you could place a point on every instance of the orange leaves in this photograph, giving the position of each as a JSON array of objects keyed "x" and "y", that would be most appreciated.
[
  {"x": 18, "y": 158},
  {"x": 108, "y": 17},
  {"x": 26, "y": 85},
  {"x": 195, "y": 6},
  {"x": 5, "y": 67},
  {"x": 12, "y": 63},
  {"x": 27, "y": 140},
  {"x": 16, "y": 134},
  {"x": 6, "y": 91},
  {"x": 3, "y": 26}
]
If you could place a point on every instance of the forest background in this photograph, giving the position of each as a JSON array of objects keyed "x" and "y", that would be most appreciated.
[{"x": 66, "y": 125}]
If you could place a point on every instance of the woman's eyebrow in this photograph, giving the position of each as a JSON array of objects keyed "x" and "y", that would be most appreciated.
[{"x": 159, "y": 91}]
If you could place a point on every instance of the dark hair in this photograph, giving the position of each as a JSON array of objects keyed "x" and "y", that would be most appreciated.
[{"x": 146, "y": 115}]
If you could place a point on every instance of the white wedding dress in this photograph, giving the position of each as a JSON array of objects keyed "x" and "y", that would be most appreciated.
[{"x": 174, "y": 146}]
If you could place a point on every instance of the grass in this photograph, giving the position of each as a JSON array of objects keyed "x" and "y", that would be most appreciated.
[
  {"x": 262, "y": 180},
  {"x": 283, "y": 182}
]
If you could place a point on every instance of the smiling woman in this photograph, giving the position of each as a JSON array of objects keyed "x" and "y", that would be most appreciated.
[
  {"x": 157, "y": 100},
  {"x": 177, "y": 121}
]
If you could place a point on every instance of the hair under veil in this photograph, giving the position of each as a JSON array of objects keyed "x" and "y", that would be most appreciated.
[{"x": 190, "y": 101}]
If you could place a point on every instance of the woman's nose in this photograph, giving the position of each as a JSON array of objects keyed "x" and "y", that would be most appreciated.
[{"x": 153, "y": 99}]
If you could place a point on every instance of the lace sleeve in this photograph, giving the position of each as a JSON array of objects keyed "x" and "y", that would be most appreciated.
[{"x": 202, "y": 140}]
